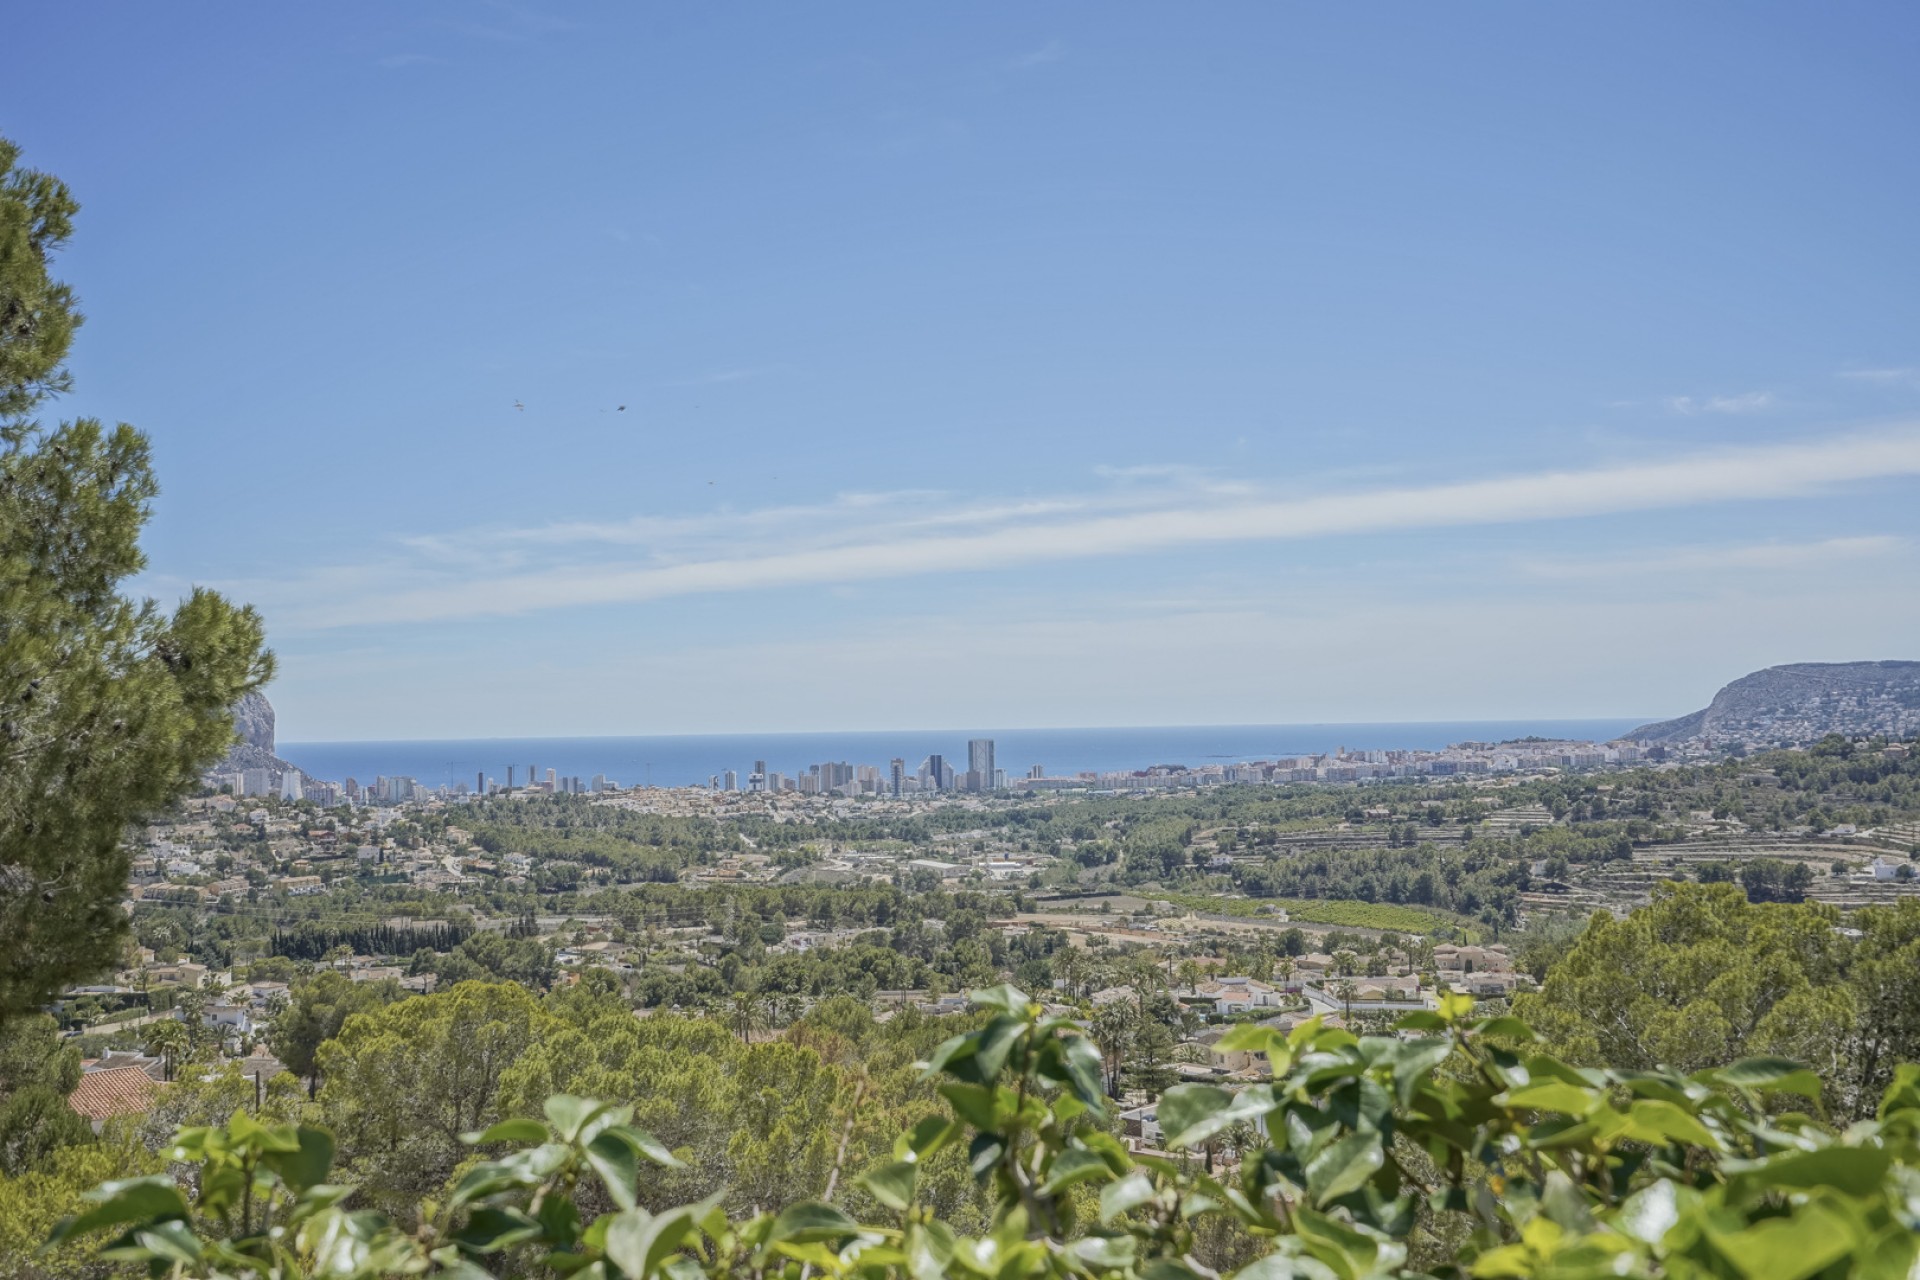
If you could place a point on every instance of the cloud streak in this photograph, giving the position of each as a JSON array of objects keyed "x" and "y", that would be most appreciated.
[
  {"x": 1746, "y": 402},
  {"x": 1051, "y": 52},
  {"x": 1763, "y": 556},
  {"x": 1906, "y": 376},
  {"x": 1000, "y": 537}
]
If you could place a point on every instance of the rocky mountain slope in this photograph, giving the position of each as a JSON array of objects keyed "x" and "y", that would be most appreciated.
[
  {"x": 253, "y": 721},
  {"x": 1802, "y": 702}
]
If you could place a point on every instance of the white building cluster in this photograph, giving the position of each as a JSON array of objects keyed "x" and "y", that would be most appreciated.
[
  {"x": 838, "y": 778},
  {"x": 1342, "y": 765}
]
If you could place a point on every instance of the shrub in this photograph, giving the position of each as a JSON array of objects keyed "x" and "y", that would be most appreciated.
[{"x": 1451, "y": 1146}]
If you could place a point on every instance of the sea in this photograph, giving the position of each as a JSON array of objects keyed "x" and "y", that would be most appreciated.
[{"x": 690, "y": 760}]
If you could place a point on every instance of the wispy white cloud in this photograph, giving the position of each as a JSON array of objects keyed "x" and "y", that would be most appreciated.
[
  {"x": 818, "y": 525},
  {"x": 1901, "y": 376},
  {"x": 1267, "y": 657},
  {"x": 864, "y": 539},
  {"x": 1174, "y": 475},
  {"x": 1051, "y": 52},
  {"x": 1745, "y": 402},
  {"x": 1762, "y": 556}
]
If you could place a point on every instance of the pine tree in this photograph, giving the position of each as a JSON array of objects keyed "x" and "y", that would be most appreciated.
[{"x": 110, "y": 707}]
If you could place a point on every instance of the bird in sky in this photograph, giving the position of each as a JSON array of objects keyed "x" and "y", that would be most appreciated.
[
  {"x": 623, "y": 408},
  {"x": 519, "y": 406}
]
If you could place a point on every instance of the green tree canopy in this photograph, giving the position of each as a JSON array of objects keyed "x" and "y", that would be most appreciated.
[
  {"x": 405, "y": 1080},
  {"x": 1703, "y": 976},
  {"x": 315, "y": 1012}
]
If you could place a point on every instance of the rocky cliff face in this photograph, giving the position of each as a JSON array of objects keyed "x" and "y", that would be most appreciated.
[
  {"x": 253, "y": 721},
  {"x": 1803, "y": 702}
]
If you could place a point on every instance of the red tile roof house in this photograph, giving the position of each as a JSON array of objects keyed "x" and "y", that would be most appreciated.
[{"x": 117, "y": 1091}]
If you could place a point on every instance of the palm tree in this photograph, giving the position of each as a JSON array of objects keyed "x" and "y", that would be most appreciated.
[
  {"x": 782, "y": 1008},
  {"x": 745, "y": 1013},
  {"x": 1113, "y": 1033},
  {"x": 1070, "y": 966},
  {"x": 1239, "y": 1138},
  {"x": 166, "y": 1040},
  {"x": 191, "y": 1005}
]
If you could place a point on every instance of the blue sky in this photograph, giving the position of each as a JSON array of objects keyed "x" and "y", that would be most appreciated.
[{"x": 1003, "y": 365}]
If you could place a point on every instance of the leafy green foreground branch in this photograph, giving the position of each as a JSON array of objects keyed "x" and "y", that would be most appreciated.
[{"x": 1450, "y": 1149}]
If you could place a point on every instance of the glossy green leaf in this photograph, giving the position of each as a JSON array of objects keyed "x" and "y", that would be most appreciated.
[
  {"x": 892, "y": 1183},
  {"x": 1189, "y": 1114},
  {"x": 1130, "y": 1192},
  {"x": 613, "y": 1158},
  {"x": 924, "y": 1138},
  {"x": 141, "y": 1200},
  {"x": 1854, "y": 1171},
  {"x": 1103, "y": 1252},
  {"x": 308, "y": 1164},
  {"x": 248, "y": 1134},
  {"x": 992, "y": 1044},
  {"x": 569, "y": 1115},
  {"x": 1654, "y": 1121},
  {"x": 1251, "y": 1037},
  {"x": 1787, "y": 1248},
  {"x": 638, "y": 1241},
  {"x": 489, "y": 1230},
  {"x": 977, "y": 1104},
  {"x": 1185, "y": 1108},
  {"x": 812, "y": 1220},
  {"x": 1505, "y": 1028},
  {"x": 1555, "y": 1095},
  {"x": 171, "y": 1241},
  {"x": 1070, "y": 1167},
  {"x": 1348, "y": 1252},
  {"x": 1648, "y": 1214},
  {"x": 648, "y": 1146},
  {"x": 516, "y": 1131},
  {"x": 1776, "y": 1074},
  {"x": 1082, "y": 1060},
  {"x": 1344, "y": 1166},
  {"x": 1006, "y": 997}
]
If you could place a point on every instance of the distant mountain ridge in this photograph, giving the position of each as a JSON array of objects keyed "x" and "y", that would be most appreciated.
[{"x": 1803, "y": 702}]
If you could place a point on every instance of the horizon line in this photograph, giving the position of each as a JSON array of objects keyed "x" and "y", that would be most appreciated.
[{"x": 1058, "y": 728}]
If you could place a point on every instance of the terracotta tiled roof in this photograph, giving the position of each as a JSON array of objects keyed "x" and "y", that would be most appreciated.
[{"x": 118, "y": 1091}]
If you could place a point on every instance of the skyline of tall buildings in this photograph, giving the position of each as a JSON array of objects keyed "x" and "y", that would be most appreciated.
[
  {"x": 934, "y": 774},
  {"x": 840, "y": 777},
  {"x": 982, "y": 776},
  {"x": 827, "y": 777}
]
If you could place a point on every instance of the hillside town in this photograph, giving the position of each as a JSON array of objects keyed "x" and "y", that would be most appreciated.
[{"x": 418, "y": 872}]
